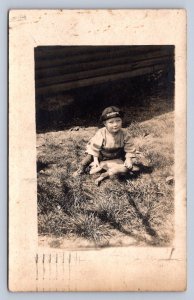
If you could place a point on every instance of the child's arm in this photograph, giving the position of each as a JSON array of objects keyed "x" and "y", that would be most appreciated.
[
  {"x": 95, "y": 144},
  {"x": 130, "y": 152},
  {"x": 96, "y": 161},
  {"x": 95, "y": 166},
  {"x": 128, "y": 163}
]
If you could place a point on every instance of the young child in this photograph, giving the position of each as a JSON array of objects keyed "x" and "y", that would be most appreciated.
[{"x": 110, "y": 144}]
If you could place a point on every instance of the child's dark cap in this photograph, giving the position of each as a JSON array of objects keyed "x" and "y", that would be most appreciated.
[{"x": 111, "y": 112}]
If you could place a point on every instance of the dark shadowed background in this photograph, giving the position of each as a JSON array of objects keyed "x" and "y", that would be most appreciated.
[{"x": 74, "y": 83}]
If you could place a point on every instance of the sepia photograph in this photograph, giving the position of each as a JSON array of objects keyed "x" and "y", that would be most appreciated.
[
  {"x": 97, "y": 150},
  {"x": 105, "y": 145}
]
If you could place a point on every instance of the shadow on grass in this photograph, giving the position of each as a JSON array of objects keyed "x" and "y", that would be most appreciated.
[
  {"x": 145, "y": 220},
  {"x": 41, "y": 166},
  {"x": 150, "y": 231},
  {"x": 120, "y": 228},
  {"x": 135, "y": 174},
  {"x": 75, "y": 199}
]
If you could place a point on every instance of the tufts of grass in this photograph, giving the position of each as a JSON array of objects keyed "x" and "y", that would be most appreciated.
[
  {"x": 153, "y": 200},
  {"x": 58, "y": 223},
  {"x": 141, "y": 206},
  {"x": 90, "y": 227},
  {"x": 138, "y": 130},
  {"x": 55, "y": 222}
]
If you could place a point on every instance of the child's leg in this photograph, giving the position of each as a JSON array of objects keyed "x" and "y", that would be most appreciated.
[
  {"x": 86, "y": 161},
  {"x": 83, "y": 165}
]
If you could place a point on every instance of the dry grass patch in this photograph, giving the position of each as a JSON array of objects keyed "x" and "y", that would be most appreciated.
[{"x": 140, "y": 206}]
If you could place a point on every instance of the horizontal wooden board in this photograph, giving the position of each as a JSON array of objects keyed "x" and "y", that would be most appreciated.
[
  {"x": 84, "y": 66},
  {"x": 101, "y": 71},
  {"x": 96, "y": 56},
  {"x": 44, "y": 52},
  {"x": 97, "y": 80}
]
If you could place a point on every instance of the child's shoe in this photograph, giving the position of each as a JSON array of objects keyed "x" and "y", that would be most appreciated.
[
  {"x": 135, "y": 168},
  {"x": 79, "y": 172}
]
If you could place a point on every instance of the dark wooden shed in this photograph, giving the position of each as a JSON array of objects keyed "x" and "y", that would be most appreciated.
[
  {"x": 69, "y": 79},
  {"x": 59, "y": 68}
]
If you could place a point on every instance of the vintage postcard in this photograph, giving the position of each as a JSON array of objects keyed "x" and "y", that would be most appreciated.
[{"x": 97, "y": 150}]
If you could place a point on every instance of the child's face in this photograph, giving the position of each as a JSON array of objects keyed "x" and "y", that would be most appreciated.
[{"x": 113, "y": 125}]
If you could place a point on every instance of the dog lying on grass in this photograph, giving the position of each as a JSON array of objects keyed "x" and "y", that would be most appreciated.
[{"x": 111, "y": 167}]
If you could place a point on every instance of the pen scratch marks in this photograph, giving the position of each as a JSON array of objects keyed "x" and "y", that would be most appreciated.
[
  {"x": 36, "y": 261},
  {"x": 43, "y": 265},
  {"x": 69, "y": 271},
  {"x": 56, "y": 261},
  {"x": 50, "y": 267},
  {"x": 172, "y": 250},
  {"x": 63, "y": 262}
]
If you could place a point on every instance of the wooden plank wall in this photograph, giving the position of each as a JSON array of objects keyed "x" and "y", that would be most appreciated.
[{"x": 59, "y": 68}]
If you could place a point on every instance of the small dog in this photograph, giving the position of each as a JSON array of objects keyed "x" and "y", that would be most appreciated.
[{"x": 111, "y": 167}]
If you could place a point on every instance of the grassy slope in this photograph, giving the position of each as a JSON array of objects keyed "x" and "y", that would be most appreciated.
[{"x": 140, "y": 207}]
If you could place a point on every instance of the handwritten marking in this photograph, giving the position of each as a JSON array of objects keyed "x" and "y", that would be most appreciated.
[
  {"x": 69, "y": 271},
  {"x": 36, "y": 260},
  {"x": 63, "y": 265},
  {"x": 43, "y": 260},
  {"x": 172, "y": 250},
  {"x": 56, "y": 261},
  {"x": 50, "y": 267}
]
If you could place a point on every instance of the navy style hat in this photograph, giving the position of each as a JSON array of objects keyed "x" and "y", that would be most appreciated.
[{"x": 111, "y": 112}]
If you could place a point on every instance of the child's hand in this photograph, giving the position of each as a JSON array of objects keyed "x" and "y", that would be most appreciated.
[
  {"x": 128, "y": 164},
  {"x": 95, "y": 166},
  {"x": 95, "y": 163}
]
